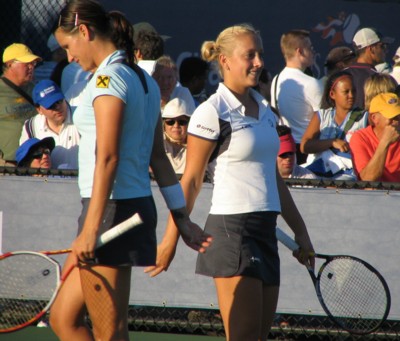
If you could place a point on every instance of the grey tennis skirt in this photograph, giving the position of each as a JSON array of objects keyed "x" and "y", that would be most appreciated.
[
  {"x": 243, "y": 245},
  {"x": 137, "y": 247}
]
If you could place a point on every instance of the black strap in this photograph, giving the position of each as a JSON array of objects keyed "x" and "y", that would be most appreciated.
[
  {"x": 276, "y": 108},
  {"x": 139, "y": 71},
  {"x": 29, "y": 127},
  {"x": 18, "y": 90},
  {"x": 355, "y": 116}
]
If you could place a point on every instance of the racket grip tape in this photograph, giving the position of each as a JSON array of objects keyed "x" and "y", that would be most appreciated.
[
  {"x": 286, "y": 239},
  {"x": 119, "y": 229}
]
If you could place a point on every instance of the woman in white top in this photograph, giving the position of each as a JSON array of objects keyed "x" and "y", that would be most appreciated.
[{"x": 235, "y": 130}]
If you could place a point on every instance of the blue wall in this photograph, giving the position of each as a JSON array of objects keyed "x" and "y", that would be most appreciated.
[{"x": 331, "y": 23}]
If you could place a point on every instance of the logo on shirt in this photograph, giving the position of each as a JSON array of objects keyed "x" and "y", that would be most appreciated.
[
  {"x": 199, "y": 126},
  {"x": 102, "y": 81}
]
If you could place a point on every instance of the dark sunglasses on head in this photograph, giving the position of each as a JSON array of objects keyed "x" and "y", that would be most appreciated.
[
  {"x": 180, "y": 122},
  {"x": 39, "y": 154}
]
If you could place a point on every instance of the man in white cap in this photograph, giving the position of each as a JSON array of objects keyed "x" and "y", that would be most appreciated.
[
  {"x": 16, "y": 104},
  {"x": 371, "y": 48},
  {"x": 376, "y": 149}
]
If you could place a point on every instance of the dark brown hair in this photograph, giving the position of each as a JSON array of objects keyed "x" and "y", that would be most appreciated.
[{"x": 112, "y": 26}]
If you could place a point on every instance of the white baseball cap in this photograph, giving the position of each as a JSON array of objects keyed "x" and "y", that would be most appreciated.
[
  {"x": 177, "y": 107},
  {"x": 368, "y": 36}
]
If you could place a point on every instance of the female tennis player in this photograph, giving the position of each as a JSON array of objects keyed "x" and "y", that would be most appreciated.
[
  {"x": 236, "y": 131},
  {"x": 121, "y": 135}
]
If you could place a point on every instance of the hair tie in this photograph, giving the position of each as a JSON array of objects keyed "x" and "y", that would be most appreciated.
[{"x": 336, "y": 81}]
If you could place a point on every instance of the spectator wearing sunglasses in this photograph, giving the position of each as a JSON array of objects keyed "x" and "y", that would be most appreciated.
[
  {"x": 35, "y": 153},
  {"x": 371, "y": 48},
  {"x": 54, "y": 120},
  {"x": 176, "y": 117}
]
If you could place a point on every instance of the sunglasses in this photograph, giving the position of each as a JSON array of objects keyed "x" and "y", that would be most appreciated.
[
  {"x": 55, "y": 104},
  {"x": 39, "y": 154},
  {"x": 180, "y": 122},
  {"x": 382, "y": 46}
]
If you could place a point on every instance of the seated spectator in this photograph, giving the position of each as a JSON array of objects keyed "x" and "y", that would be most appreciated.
[
  {"x": 193, "y": 73},
  {"x": 53, "y": 119},
  {"x": 376, "y": 84},
  {"x": 376, "y": 149},
  {"x": 330, "y": 130},
  {"x": 176, "y": 117},
  {"x": 16, "y": 103},
  {"x": 286, "y": 160},
  {"x": 166, "y": 75},
  {"x": 35, "y": 153}
]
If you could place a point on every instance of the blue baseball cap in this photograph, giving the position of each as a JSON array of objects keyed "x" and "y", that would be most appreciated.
[
  {"x": 46, "y": 93},
  {"x": 30, "y": 144}
]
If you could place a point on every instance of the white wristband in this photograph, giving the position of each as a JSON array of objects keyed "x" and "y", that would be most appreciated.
[{"x": 173, "y": 196}]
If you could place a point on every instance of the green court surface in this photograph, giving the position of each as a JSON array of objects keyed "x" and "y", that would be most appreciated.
[{"x": 46, "y": 334}]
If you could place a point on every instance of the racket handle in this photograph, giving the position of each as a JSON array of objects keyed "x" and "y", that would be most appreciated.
[
  {"x": 286, "y": 240},
  {"x": 119, "y": 229}
]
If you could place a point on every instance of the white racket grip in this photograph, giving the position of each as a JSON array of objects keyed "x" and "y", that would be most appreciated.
[
  {"x": 286, "y": 240},
  {"x": 119, "y": 229}
]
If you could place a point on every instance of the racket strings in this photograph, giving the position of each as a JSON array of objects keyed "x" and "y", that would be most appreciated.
[
  {"x": 27, "y": 283},
  {"x": 354, "y": 295}
]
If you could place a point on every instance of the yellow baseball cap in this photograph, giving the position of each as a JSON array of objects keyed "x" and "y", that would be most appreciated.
[
  {"x": 19, "y": 52},
  {"x": 387, "y": 104}
]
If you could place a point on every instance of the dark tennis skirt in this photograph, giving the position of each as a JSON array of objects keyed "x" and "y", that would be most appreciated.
[
  {"x": 243, "y": 245},
  {"x": 137, "y": 247}
]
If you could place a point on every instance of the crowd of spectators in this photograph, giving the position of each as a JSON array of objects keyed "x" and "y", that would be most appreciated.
[{"x": 38, "y": 98}]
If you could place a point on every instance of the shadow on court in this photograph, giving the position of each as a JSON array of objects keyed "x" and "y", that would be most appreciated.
[{"x": 46, "y": 334}]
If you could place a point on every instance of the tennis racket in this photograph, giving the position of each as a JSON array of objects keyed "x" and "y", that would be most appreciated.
[
  {"x": 30, "y": 281},
  {"x": 352, "y": 293}
]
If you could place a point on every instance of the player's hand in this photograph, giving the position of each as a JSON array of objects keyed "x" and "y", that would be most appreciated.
[
  {"x": 305, "y": 253},
  {"x": 191, "y": 233},
  {"x": 165, "y": 255},
  {"x": 84, "y": 245},
  {"x": 194, "y": 236}
]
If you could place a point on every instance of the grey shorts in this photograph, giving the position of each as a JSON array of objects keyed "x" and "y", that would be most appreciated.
[
  {"x": 243, "y": 245},
  {"x": 137, "y": 247}
]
